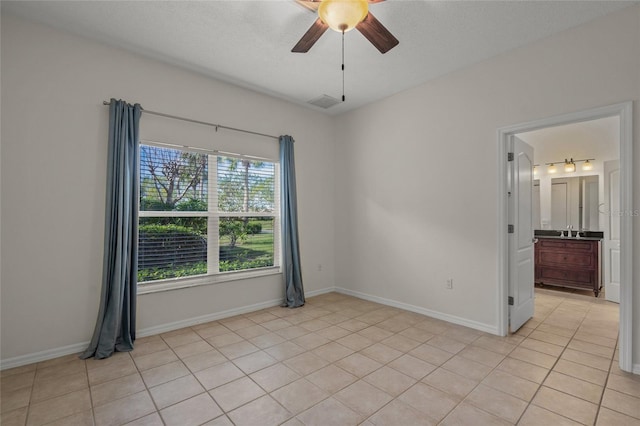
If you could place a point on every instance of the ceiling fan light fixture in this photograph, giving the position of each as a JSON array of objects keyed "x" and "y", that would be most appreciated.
[{"x": 343, "y": 15}]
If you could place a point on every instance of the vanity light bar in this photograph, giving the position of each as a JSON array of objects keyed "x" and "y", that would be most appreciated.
[{"x": 570, "y": 165}]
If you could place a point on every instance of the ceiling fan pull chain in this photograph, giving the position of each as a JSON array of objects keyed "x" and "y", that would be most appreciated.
[{"x": 343, "y": 66}]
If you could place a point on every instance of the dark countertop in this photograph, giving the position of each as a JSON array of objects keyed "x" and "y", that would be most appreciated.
[
  {"x": 556, "y": 237},
  {"x": 584, "y": 235}
]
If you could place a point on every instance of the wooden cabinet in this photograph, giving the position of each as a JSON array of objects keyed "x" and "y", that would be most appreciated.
[{"x": 568, "y": 263}]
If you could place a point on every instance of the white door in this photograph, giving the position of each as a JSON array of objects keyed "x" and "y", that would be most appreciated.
[
  {"x": 521, "y": 252},
  {"x": 611, "y": 242}
]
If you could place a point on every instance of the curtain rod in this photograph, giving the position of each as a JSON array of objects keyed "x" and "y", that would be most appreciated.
[{"x": 205, "y": 123}]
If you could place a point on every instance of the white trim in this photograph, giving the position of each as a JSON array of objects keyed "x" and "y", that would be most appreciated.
[
  {"x": 625, "y": 112},
  {"x": 76, "y": 348},
  {"x": 21, "y": 360},
  {"x": 150, "y": 331},
  {"x": 176, "y": 325},
  {"x": 174, "y": 213},
  {"x": 249, "y": 214},
  {"x": 207, "y": 151},
  {"x": 198, "y": 280},
  {"x": 171, "y": 213},
  {"x": 417, "y": 309},
  {"x": 213, "y": 216},
  {"x": 636, "y": 369},
  {"x": 319, "y": 292},
  {"x": 626, "y": 237}
]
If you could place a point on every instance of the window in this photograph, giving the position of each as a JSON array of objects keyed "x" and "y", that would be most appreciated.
[{"x": 205, "y": 215}]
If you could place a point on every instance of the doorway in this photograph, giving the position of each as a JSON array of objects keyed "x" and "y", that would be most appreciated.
[
  {"x": 623, "y": 112},
  {"x": 581, "y": 200}
]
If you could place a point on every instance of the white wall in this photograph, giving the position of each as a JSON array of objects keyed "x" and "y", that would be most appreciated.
[
  {"x": 417, "y": 172},
  {"x": 412, "y": 189},
  {"x": 54, "y": 134}
]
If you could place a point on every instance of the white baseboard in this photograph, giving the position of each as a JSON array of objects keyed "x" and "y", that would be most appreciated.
[
  {"x": 21, "y": 360},
  {"x": 319, "y": 292},
  {"x": 417, "y": 309},
  {"x": 149, "y": 331},
  {"x": 163, "y": 328}
]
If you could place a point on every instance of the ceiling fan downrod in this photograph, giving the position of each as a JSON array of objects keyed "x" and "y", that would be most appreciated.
[{"x": 343, "y": 98}]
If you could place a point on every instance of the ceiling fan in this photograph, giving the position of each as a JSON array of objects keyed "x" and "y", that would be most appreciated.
[{"x": 343, "y": 16}]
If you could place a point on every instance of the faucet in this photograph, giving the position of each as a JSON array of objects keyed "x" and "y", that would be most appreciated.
[
  {"x": 569, "y": 228},
  {"x": 584, "y": 232}
]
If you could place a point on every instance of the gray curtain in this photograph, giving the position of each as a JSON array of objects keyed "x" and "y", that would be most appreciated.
[
  {"x": 294, "y": 291},
  {"x": 116, "y": 323}
]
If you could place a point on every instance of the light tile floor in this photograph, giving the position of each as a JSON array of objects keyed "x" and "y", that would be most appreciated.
[{"x": 344, "y": 361}]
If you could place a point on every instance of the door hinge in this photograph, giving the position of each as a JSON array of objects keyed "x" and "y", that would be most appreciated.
[
  {"x": 510, "y": 300},
  {"x": 510, "y": 229},
  {"x": 509, "y": 156}
]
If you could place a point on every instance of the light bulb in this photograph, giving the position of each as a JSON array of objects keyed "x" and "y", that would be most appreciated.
[
  {"x": 552, "y": 169},
  {"x": 569, "y": 166},
  {"x": 587, "y": 166},
  {"x": 343, "y": 15}
]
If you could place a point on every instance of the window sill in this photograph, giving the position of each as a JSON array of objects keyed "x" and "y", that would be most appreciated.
[{"x": 178, "y": 283}]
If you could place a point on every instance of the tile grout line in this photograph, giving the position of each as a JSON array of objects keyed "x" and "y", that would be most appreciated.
[
  {"x": 191, "y": 373},
  {"x": 267, "y": 393},
  {"x": 93, "y": 413},
  {"x": 606, "y": 381},
  {"x": 558, "y": 359},
  {"x": 506, "y": 355},
  {"x": 148, "y": 390},
  {"x": 552, "y": 367},
  {"x": 331, "y": 395},
  {"x": 33, "y": 384},
  {"x": 295, "y": 322},
  {"x": 496, "y": 367}
]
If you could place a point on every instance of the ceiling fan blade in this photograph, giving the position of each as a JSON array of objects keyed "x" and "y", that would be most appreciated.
[
  {"x": 313, "y": 5},
  {"x": 377, "y": 34},
  {"x": 310, "y": 37}
]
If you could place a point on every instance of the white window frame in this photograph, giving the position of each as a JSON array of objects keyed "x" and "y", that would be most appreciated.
[{"x": 213, "y": 275}]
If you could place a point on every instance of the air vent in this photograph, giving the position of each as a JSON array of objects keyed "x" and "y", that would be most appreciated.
[{"x": 324, "y": 101}]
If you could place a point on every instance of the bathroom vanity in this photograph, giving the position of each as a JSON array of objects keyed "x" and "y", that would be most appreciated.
[{"x": 568, "y": 262}]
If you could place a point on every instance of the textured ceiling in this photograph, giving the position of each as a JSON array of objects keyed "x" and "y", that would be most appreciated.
[{"x": 249, "y": 43}]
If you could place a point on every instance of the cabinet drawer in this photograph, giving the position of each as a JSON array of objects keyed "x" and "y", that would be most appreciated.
[
  {"x": 563, "y": 245},
  {"x": 560, "y": 276},
  {"x": 566, "y": 259}
]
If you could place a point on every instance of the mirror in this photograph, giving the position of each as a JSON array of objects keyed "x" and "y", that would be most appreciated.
[{"x": 573, "y": 201}]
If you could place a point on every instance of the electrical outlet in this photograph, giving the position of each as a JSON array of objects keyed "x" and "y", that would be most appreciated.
[{"x": 450, "y": 283}]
